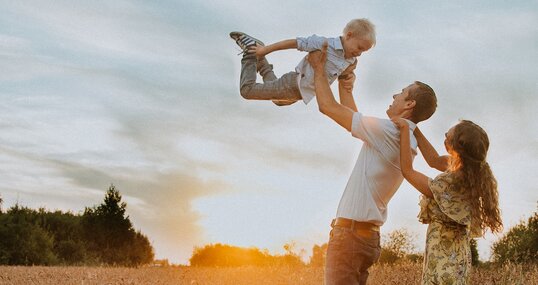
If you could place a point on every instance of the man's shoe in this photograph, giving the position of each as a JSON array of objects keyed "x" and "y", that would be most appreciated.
[{"x": 245, "y": 41}]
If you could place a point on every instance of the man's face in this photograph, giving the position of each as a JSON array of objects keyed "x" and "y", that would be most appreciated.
[
  {"x": 354, "y": 46},
  {"x": 399, "y": 104}
]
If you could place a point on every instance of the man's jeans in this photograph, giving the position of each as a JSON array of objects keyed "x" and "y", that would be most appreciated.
[
  {"x": 284, "y": 89},
  {"x": 349, "y": 255}
]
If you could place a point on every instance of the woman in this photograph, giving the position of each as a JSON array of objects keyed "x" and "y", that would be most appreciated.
[{"x": 458, "y": 204}]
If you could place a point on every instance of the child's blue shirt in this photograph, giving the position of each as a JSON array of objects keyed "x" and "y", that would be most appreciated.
[{"x": 336, "y": 63}]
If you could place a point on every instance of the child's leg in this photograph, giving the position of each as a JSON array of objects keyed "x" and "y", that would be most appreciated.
[
  {"x": 283, "y": 88},
  {"x": 266, "y": 70}
]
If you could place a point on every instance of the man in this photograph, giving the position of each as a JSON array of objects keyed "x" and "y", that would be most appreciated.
[{"x": 354, "y": 240}]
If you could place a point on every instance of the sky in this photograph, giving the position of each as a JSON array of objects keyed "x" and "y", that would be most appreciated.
[{"x": 144, "y": 95}]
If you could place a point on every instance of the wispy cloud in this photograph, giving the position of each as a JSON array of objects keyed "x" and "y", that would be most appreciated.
[{"x": 145, "y": 96}]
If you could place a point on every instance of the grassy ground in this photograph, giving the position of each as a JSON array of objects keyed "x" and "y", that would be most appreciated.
[{"x": 396, "y": 274}]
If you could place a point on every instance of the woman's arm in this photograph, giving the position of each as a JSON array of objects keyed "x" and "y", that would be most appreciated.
[
  {"x": 429, "y": 153},
  {"x": 262, "y": 51},
  {"x": 415, "y": 178}
]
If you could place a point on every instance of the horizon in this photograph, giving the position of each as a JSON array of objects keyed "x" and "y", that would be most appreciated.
[
  {"x": 304, "y": 254},
  {"x": 145, "y": 96}
]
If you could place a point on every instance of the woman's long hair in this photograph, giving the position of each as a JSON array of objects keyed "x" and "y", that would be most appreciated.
[{"x": 469, "y": 144}]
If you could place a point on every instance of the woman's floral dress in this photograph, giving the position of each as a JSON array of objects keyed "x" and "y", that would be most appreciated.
[{"x": 447, "y": 258}]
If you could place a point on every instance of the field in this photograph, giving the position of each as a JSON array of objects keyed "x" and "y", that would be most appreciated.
[{"x": 396, "y": 274}]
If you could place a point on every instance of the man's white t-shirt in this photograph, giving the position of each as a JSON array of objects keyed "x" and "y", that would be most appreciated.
[{"x": 376, "y": 175}]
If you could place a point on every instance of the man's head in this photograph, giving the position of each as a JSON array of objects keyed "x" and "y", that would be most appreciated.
[
  {"x": 417, "y": 102},
  {"x": 358, "y": 37}
]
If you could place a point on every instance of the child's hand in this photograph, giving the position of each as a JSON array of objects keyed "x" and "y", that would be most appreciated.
[
  {"x": 347, "y": 81},
  {"x": 400, "y": 123},
  {"x": 347, "y": 78},
  {"x": 351, "y": 67},
  {"x": 260, "y": 51}
]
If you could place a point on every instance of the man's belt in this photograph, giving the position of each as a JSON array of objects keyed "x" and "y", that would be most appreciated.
[{"x": 354, "y": 225}]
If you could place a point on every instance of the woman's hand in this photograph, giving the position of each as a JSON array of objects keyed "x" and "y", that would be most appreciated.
[{"x": 400, "y": 123}]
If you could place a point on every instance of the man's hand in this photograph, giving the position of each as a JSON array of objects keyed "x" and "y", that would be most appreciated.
[{"x": 318, "y": 58}]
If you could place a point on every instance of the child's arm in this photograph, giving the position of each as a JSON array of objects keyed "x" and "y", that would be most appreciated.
[
  {"x": 415, "y": 178},
  {"x": 434, "y": 160},
  {"x": 262, "y": 51}
]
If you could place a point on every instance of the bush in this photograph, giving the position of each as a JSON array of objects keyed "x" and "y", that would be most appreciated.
[
  {"x": 520, "y": 244},
  {"x": 222, "y": 255},
  {"x": 396, "y": 246},
  {"x": 319, "y": 253}
]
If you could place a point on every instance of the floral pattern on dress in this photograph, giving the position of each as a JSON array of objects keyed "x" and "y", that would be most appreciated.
[{"x": 447, "y": 257}]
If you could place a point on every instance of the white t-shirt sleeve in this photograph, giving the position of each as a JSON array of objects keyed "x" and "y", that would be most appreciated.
[
  {"x": 371, "y": 130},
  {"x": 311, "y": 43}
]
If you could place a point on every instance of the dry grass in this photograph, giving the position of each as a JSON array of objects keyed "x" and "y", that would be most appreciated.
[{"x": 380, "y": 274}]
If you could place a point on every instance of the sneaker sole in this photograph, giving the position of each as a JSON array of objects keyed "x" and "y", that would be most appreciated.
[{"x": 236, "y": 35}]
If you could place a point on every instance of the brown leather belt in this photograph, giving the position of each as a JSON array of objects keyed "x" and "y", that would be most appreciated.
[{"x": 354, "y": 225}]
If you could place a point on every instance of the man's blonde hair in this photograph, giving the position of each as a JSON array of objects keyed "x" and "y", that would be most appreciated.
[{"x": 361, "y": 28}]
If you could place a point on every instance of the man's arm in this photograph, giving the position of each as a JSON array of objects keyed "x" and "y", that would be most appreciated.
[
  {"x": 262, "y": 51},
  {"x": 345, "y": 90},
  {"x": 327, "y": 104},
  {"x": 434, "y": 160}
]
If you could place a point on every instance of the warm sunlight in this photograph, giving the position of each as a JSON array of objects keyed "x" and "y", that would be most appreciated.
[{"x": 199, "y": 138}]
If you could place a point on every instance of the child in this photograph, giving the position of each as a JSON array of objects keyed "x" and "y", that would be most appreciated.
[{"x": 358, "y": 37}]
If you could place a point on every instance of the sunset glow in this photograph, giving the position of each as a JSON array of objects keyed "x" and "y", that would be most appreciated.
[{"x": 145, "y": 95}]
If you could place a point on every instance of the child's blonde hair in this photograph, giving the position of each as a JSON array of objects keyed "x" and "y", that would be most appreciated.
[{"x": 361, "y": 28}]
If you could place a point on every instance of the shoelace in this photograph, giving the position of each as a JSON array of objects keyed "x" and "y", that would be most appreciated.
[{"x": 246, "y": 42}]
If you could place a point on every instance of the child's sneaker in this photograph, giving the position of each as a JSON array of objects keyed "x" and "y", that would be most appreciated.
[{"x": 245, "y": 41}]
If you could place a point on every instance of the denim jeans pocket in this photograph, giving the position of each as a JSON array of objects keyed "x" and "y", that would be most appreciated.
[
  {"x": 371, "y": 239},
  {"x": 339, "y": 238}
]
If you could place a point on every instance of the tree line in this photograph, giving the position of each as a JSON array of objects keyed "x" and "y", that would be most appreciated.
[
  {"x": 102, "y": 235},
  {"x": 518, "y": 245}
]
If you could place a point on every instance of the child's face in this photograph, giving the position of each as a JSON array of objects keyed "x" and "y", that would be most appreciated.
[{"x": 355, "y": 46}]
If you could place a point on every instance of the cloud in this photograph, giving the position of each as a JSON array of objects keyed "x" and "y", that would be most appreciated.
[{"x": 145, "y": 96}]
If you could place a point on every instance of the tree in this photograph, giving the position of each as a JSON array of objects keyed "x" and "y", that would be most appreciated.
[
  {"x": 23, "y": 241},
  {"x": 104, "y": 234},
  {"x": 140, "y": 251},
  {"x": 110, "y": 234},
  {"x": 520, "y": 244}
]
